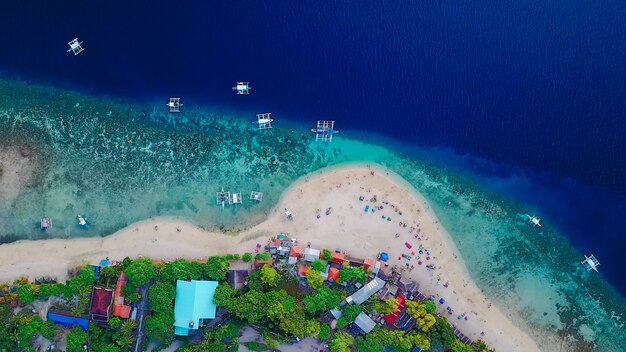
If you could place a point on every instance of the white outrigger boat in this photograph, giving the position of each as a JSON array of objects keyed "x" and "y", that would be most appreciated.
[
  {"x": 223, "y": 198},
  {"x": 75, "y": 46},
  {"x": 324, "y": 131},
  {"x": 242, "y": 88},
  {"x": 533, "y": 220},
  {"x": 46, "y": 224},
  {"x": 590, "y": 263},
  {"x": 264, "y": 120},
  {"x": 174, "y": 105}
]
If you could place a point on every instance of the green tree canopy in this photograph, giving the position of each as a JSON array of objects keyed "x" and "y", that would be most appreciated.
[
  {"x": 181, "y": 269},
  {"x": 350, "y": 311},
  {"x": 341, "y": 342},
  {"x": 223, "y": 296},
  {"x": 140, "y": 271},
  {"x": 419, "y": 340},
  {"x": 160, "y": 326},
  {"x": 161, "y": 296},
  {"x": 418, "y": 311},
  {"x": 370, "y": 343},
  {"x": 263, "y": 256},
  {"x": 324, "y": 332},
  {"x": 318, "y": 265},
  {"x": 246, "y": 257},
  {"x": 75, "y": 286},
  {"x": 459, "y": 346},
  {"x": 389, "y": 306},
  {"x": 25, "y": 293},
  {"x": 216, "y": 268},
  {"x": 481, "y": 346},
  {"x": 430, "y": 306},
  {"x": 352, "y": 273},
  {"x": 314, "y": 278},
  {"x": 321, "y": 299},
  {"x": 250, "y": 306},
  {"x": 269, "y": 276},
  {"x": 327, "y": 255},
  {"x": 441, "y": 334},
  {"x": 76, "y": 339}
]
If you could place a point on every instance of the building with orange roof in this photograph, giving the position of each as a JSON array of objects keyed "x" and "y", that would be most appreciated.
[
  {"x": 296, "y": 252},
  {"x": 302, "y": 269},
  {"x": 338, "y": 258},
  {"x": 372, "y": 264},
  {"x": 333, "y": 275},
  {"x": 119, "y": 309}
]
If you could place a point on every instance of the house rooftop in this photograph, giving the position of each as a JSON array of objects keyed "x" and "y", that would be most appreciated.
[
  {"x": 194, "y": 301},
  {"x": 366, "y": 291},
  {"x": 364, "y": 322}
]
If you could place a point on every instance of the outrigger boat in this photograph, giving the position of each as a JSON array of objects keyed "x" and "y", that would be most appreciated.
[
  {"x": 83, "y": 221},
  {"x": 242, "y": 88},
  {"x": 324, "y": 131},
  {"x": 264, "y": 121},
  {"x": 533, "y": 220},
  {"x": 45, "y": 223},
  {"x": 223, "y": 198},
  {"x": 590, "y": 263}
]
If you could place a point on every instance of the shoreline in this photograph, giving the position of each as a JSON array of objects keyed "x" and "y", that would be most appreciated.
[{"x": 360, "y": 234}]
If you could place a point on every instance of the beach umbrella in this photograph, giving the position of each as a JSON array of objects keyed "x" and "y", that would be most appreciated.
[
  {"x": 384, "y": 256},
  {"x": 258, "y": 245},
  {"x": 104, "y": 262},
  {"x": 458, "y": 317},
  {"x": 442, "y": 301},
  {"x": 408, "y": 245},
  {"x": 281, "y": 237}
]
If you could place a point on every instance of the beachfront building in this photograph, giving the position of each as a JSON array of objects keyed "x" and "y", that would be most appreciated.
[
  {"x": 366, "y": 291},
  {"x": 389, "y": 291},
  {"x": 365, "y": 323},
  {"x": 193, "y": 304},
  {"x": 372, "y": 264},
  {"x": 406, "y": 284},
  {"x": 238, "y": 273},
  {"x": 333, "y": 275},
  {"x": 100, "y": 306},
  {"x": 119, "y": 308},
  {"x": 311, "y": 254},
  {"x": 338, "y": 258}
]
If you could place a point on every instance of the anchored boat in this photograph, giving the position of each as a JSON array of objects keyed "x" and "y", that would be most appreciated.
[{"x": 45, "y": 223}]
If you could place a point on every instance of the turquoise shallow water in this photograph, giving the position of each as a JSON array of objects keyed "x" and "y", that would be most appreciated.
[{"x": 119, "y": 163}]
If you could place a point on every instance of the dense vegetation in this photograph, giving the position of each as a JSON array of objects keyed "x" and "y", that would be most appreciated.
[{"x": 273, "y": 302}]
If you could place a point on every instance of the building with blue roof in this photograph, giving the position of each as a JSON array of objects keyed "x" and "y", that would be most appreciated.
[
  {"x": 194, "y": 302},
  {"x": 67, "y": 320}
]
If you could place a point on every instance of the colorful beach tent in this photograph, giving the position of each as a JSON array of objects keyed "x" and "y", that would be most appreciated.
[{"x": 442, "y": 301}]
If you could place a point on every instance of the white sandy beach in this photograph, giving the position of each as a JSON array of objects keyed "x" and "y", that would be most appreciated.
[{"x": 348, "y": 227}]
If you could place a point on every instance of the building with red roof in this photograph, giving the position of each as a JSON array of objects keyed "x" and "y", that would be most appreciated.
[
  {"x": 100, "y": 307},
  {"x": 392, "y": 317},
  {"x": 119, "y": 309},
  {"x": 372, "y": 264},
  {"x": 297, "y": 252},
  {"x": 338, "y": 258},
  {"x": 333, "y": 275},
  {"x": 302, "y": 269}
]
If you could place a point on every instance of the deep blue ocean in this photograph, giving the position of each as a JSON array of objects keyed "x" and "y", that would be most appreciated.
[{"x": 527, "y": 97}]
